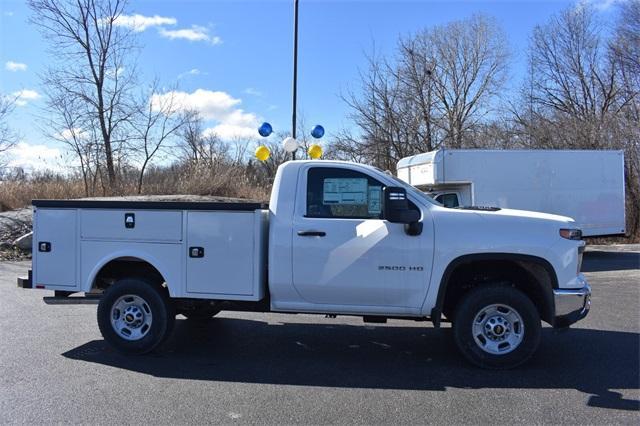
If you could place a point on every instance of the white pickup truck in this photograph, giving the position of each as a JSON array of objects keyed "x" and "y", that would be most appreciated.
[{"x": 337, "y": 238}]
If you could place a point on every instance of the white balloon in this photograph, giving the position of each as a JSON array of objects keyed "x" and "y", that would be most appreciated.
[{"x": 290, "y": 144}]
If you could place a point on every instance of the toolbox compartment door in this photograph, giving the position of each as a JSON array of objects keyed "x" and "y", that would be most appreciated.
[
  {"x": 55, "y": 248},
  {"x": 223, "y": 255},
  {"x": 131, "y": 225}
]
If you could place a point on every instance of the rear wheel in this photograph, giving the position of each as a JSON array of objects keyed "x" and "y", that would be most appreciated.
[
  {"x": 496, "y": 326},
  {"x": 135, "y": 316}
]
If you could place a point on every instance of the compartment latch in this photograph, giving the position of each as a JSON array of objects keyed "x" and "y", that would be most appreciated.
[{"x": 129, "y": 220}]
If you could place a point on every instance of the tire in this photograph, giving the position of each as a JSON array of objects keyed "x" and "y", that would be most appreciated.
[
  {"x": 135, "y": 316},
  {"x": 201, "y": 314},
  {"x": 496, "y": 326}
]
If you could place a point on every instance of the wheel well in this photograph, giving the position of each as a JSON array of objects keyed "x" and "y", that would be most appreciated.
[
  {"x": 530, "y": 277},
  {"x": 126, "y": 267}
]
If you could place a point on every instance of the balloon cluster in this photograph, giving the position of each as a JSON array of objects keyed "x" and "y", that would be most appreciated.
[{"x": 289, "y": 144}]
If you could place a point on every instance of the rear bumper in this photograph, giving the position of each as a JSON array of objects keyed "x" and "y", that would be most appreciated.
[
  {"x": 572, "y": 305},
  {"x": 26, "y": 282}
]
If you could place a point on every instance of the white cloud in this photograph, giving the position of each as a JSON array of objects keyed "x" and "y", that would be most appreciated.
[
  {"x": 601, "y": 5},
  {"x": 139, "y": 23},
  {"x": 194, "y": 71},
  {"x": 211, "y": 105},
  {"x": 34, "y": 157},
  {"x": 8, "y": 13},
  {"x": 219, "y": 107},
  {"x": 69, "y": 134},
  {"x": 117, "y": 72},
  {"x": 15, "y": 66},
  {"x": 253, "y": 92},
  {"x": 25, "y": 95},
  {"x": 195, "y": 33},
  {"x": 238, "y": 124}
]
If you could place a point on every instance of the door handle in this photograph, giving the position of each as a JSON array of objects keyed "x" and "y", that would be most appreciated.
[{"x": 312, "y": 233}]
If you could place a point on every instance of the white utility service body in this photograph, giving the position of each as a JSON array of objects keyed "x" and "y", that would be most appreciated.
[
  {"x": 336, "y": 238},
  {"x": 585, "y": 185},
  {"x": 83, "y": 239}
]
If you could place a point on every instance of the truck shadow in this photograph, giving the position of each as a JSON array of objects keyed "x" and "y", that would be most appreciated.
[
  {"x": 599, "y": 261},
  {"x": 382, "y": 357}
]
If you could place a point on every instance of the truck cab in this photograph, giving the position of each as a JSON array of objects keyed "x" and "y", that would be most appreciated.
[{"x": 331, "y": 249}]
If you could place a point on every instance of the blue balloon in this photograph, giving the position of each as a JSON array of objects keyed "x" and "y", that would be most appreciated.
[
  {"x": 317, "y": 131},
  {"x": 265, "y": 129}
]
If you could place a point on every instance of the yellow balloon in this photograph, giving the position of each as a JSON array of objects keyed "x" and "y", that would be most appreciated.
[
  {"x": 315, "y": 151},
  {"x": 262, "y": 153}
]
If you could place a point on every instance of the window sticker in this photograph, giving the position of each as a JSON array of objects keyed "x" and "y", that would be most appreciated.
[
  {"x": 344, "y": 191},
  {"x": 374, "y": 204}
]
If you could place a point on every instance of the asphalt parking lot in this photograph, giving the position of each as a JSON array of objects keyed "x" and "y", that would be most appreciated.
[{"x": 259, "y": 368}]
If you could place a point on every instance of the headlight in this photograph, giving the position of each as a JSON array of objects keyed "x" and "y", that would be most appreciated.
[{"x": 571, "y": 234}]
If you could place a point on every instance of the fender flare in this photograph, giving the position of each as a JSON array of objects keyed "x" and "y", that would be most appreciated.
[
  {"x": 137, "y": 254},
  {"x": 436, "y": 312}
]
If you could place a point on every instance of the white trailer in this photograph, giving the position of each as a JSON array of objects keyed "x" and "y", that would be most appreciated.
[{"x": 587, "y": 186}]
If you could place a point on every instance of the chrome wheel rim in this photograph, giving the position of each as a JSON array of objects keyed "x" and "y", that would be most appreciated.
[
  {"x": 131, "y": 317},
  {"x": 498, "y": 329}
]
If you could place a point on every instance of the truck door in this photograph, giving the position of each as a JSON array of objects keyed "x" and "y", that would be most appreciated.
[{"x": 345, "y": 253}]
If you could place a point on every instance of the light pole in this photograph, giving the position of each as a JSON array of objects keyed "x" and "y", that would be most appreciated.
[
  {"x": 295, "y": 72},
  {"x": 290, "y": 144}
]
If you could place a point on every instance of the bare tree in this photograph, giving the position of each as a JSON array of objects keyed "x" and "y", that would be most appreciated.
[
  {"x": 156, "y": 120},
  {"x": 387, "y": 122},
  {"x": 69, "y": 125},
  {"x": 8, "y": 137},
  {"x": 470, "y": 60},
  {"x": 580, "y": 92},
  {"x": 625, "y": 49},
  {"x": 440, "y": 87},
  {"x": 573, "y": 78},
  {"x": 266, "y": 170},
  {"x": 191, "y": 143},
  {"x": 91, "y": 55},
  {"x": 626, "y": 44}
]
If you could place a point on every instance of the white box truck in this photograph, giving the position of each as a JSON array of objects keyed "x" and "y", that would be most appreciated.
[
  {"x": 337, "y": 238},
  {"x": 587, "y": 186}
]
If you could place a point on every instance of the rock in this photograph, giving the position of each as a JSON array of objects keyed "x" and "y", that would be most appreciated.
[
  {"x": 24, "y": 242},
  {"x": 5, "y": 245}
]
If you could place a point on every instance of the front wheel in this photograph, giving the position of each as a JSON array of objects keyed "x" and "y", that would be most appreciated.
[
  {"x": 497, "y": 327},
  {"x": 134, "y": 316}
]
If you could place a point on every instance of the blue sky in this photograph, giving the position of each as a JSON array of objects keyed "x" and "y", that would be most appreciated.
[{"x": 233, "y": 59}]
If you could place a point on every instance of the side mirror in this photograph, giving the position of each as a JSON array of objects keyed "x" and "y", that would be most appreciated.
[{"x": 395, "y": 206}]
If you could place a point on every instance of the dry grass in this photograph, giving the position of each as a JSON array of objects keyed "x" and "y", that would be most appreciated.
[
  {"x": 227, "y": 181},
  {"x": 217, "y": 180},
  {"x": 18, "y": 194}
]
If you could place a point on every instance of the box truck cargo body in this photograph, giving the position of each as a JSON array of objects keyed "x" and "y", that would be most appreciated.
[{"x": 587, "y": 186}]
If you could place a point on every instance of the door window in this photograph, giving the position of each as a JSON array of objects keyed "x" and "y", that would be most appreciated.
[
  {"x": 342, "y": 193},
  {"x": 448, "y": 200}
]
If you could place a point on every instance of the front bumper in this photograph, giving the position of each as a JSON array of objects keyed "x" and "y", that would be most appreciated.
[{"x": 572, "y": 304}]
